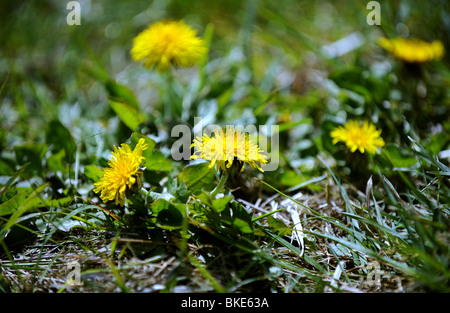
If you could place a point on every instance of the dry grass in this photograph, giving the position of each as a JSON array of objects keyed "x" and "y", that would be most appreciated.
[{"x": 127, "y": 262}]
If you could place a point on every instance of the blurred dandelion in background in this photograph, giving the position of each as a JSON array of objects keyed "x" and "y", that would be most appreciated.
[
  {"x": 413, "y": 50},
  {"x": 167, "y": 43}
]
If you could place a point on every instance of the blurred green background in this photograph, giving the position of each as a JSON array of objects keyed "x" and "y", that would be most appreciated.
[
  {"x": 56, "y": 71},
  {"x": 267, "y": 57}
]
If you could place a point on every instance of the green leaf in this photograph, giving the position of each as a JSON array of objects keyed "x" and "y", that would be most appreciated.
[
  {"x": 93, "y": 172},
  {"x": 129, "y": 115},
  {"x": 169, "y": 215},
  {"x": 328, "y": 124},
  {"x": 221, "y": 204},
  {"x": 156, "y": 196},
  {"x": 58, "y": 138},
  {"x": 289, "y": 125},
  {"x": 289, "y": 178},
  {"x": 56, "y": 161},
  {"x": 21, "y": 206},
  {"x": 278, "y": 226},
  {"x": 118, "y": 91},
  {"x": 241, "y": 219},
  {"x": 307, "y": 182},
  {"x": 6, "y": 167},
  {"x": 158, "y": 162},
  {"x": 122, "y": 93},
  {"x": 398, "y": 157},
  {"x": 11, "y": 205},
  {"x": 182, "y": 192},
  {"x": 31, "y": 154},
  {"x": 6, "y": 187},
  {"x": 242, "y": 225},
  {"x": 205, "y": 197},
  {"x": 197, "y": 177},
  {"x": 423, "y": 153},
  {"x": 147, "y": 154},
  {"x": 57, "y": 202}
]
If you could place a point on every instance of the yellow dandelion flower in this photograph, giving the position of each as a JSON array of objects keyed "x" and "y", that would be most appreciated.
[
  {"x": 123, "y": 172},
  {"x": 232, "y": 147},
  {"x": 413, "y": 50},
  {"x": 363, "y": 137},
  {"x": 168, "y": 43}
]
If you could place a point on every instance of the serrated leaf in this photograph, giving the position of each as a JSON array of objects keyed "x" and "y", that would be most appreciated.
[
  {"x": 289, "y": 125},
  {"x": 31, "y": 154},
  {"x": 114, "y": 89},
  {"x": 221, "y": 204},
  {"x": 147, "y": 153},
  {"x": 93, "y": 172},
  {"x": 204, "y": 197},
  {"x": 241, "y": 219},
  {"x": 129, "y": 115},
  {"x": 169, "y": 215},
  {"x": 6, "y": 167},
  {"x": 197, "y": 177},
  {"x": 182, "y": 192},
  {"x": 58, "y": 138},
  {"x": 119, "y": 91},
  {"x": 56, "y": 161},
  {"x": 278, "y": 226},
  {"x": 242, "y": 225},
  {"x": 56, "y": 202},
  {"x": 399, "y": 158},
  {"x": 156, "y": 196},
  {"x": 11, "y": 205},
  {"x": 158, "y": 162},
  {"x": 21, "y": 207}
]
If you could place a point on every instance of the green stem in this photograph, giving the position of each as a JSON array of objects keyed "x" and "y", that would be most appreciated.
[
  {"x": 220, "y": 185},
  {"x": 167, "y": 89}
]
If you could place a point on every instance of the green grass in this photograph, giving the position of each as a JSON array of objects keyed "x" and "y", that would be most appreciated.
[{"x": 70, "y": 93}]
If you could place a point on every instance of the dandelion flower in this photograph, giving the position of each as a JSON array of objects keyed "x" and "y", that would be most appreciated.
[
  {"x": 232, "y": 147},
  {"x": 363, "y": 137},
  {"x": 168, "y": 43},
  {"x": 123, "y": 173},
  {"x": 413, "y": 50}
]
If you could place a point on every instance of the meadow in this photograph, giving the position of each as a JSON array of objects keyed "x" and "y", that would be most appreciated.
[{"x": 110, "y": 181}]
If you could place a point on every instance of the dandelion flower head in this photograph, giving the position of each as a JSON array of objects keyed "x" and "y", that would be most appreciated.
[
  {"x": 363, "y": 137},
  {"x": 123, "y": 172},
  {"x": 413, "y": 50},
  {"x": 168, "y": 43},
  {"x": 229, "y": 147}
]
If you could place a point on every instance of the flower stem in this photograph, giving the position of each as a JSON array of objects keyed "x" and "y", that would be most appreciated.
[
  {"x": 167, "y": 85},
  {"x": 220, "y": 185}
]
